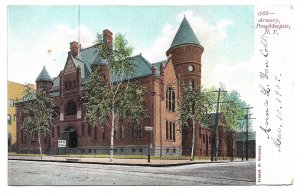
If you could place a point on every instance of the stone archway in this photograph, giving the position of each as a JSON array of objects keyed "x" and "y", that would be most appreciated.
[{"x": 70, "y": 134}]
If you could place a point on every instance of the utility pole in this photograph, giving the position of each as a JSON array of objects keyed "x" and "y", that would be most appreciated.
[
  {"x": 247, "y": 118},
  {"x": 247, "y": 131},
  {"x": 215, "y": 143}
]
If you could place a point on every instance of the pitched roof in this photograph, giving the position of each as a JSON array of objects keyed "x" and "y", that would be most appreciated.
[
  {"x": 29, "y": 97},
  {"x": 85, "y": 71},
  {"x": 91, "y": 56},
  {"x": 141, "y": 68},
  {"x": 184, "y": 35},
  {"x": 44, "y": 75},
  {"x": 55, "y": 91},
  {"x": 157, "y": 64}
]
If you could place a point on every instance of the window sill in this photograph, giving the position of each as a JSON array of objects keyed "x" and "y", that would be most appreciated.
[
  {"x": 168, "y": 140},
  {"x": 169, "y": 111}
]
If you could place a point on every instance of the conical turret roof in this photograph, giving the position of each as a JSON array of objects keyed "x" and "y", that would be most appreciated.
[
  {"x": 43, "y": 76},
  {"x": 184, "y": 35}
]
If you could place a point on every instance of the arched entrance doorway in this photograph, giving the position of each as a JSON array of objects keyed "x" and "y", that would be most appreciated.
[{"x": 70, "y": 134}]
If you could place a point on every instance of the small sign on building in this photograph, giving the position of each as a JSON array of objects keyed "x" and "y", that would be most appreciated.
[
  {"x": 148, "y": 128},
  {"x": 62, "y": 143}
]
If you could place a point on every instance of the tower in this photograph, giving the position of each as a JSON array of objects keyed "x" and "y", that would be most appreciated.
[
  {"x": 185, "y": 52},
  {"x": 44, "y": 80}
]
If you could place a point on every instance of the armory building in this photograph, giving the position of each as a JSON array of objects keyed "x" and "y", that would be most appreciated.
[{"x": 183, "y": 63}]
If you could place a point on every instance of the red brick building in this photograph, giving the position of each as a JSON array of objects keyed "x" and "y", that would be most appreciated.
[{"x": 161, "y": 80}]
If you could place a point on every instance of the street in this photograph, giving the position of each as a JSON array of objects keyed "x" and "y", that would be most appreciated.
[{"x": 53, "y": 173}]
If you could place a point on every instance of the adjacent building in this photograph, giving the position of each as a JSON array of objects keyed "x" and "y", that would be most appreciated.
[
  {"x": 15, "y": 91},
  {"x": 182, "y": 63},
  {"x": 241, "y": 142}
]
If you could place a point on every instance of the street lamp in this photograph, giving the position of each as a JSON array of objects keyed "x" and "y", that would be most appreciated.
[{"x": 149, "y": 129}]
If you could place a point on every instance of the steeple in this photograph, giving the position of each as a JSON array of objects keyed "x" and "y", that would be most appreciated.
[
  {"x": 43, "y": 76},
  {"x": 185, "y": 53},
  {"x": 185, "y": 35},
  {"x": 44, "y": 80}
]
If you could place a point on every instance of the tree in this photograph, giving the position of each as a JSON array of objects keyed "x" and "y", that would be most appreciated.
[
  {"x": 116, "y": 98},
  {"x": 193, "y": 107},
  {"x": 234, "y": 110},
  {"x": 37, "y": 114}
]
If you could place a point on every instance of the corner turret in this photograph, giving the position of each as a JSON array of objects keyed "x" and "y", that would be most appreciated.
[{"x": 44, "y": 80}]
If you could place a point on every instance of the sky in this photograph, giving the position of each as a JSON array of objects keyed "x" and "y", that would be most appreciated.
[{"x": 40, "y": 35}]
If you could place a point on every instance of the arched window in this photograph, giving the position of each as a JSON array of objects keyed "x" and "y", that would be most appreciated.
[
  {"x": 170, "y": 99},
  {"x": 71, "y": 108}
]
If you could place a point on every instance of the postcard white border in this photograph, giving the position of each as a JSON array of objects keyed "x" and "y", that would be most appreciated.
[{"x": 3, "y": 98}]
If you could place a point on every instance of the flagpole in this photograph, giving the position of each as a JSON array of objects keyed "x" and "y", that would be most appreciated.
[{"x": 78, "y": 24}]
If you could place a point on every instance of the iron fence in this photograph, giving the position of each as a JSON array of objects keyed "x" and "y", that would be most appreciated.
[{"x": 125, "y": 153}]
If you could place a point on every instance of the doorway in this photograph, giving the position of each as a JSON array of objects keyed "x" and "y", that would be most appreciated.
[{"x": 70, "y": 134}]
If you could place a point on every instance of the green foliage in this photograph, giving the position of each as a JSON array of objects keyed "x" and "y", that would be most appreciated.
[
  {"x": 198, "y": 103},
  {"x": 97, "y": 99},
  {"x": 119, "y": 58},
  {"x": 118, "y": 96},
  {"x": 233, "y": 111},
  {"x": 118, "y": 99},
  {"x": 37, "y": 114},
  {"x": 195, "y": 105},
  {"x": 131, "y": 106}
]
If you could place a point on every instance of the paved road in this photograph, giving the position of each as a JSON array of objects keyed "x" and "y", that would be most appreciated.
[{"x": 50, "y": 173}]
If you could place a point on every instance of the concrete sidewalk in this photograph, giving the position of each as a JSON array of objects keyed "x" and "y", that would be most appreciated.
[{"x": 105, "y": 161}]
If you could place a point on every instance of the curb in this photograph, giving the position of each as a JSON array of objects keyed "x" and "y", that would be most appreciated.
[{"x": 120, "y": 164}]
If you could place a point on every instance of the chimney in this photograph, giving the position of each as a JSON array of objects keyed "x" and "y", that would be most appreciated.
[
  {"x": 162, "y": 69},
  {"x": 108, "y": 38},
  {"x": 153, "y": 69},
  {"x": 74, "y": 48}
]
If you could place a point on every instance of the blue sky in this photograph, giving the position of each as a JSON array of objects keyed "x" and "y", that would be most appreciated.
[
  {"x": 140, "y": 24},
  {"x": 225, "y": 32}
]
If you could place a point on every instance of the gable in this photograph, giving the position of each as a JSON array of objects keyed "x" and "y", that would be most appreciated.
[
  {"x": 69, "y": 66},
  {"x": 170, "y": 75}
]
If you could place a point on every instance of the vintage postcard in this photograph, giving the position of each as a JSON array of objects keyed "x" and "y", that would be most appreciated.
[{"x": 154, "y": 95}]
